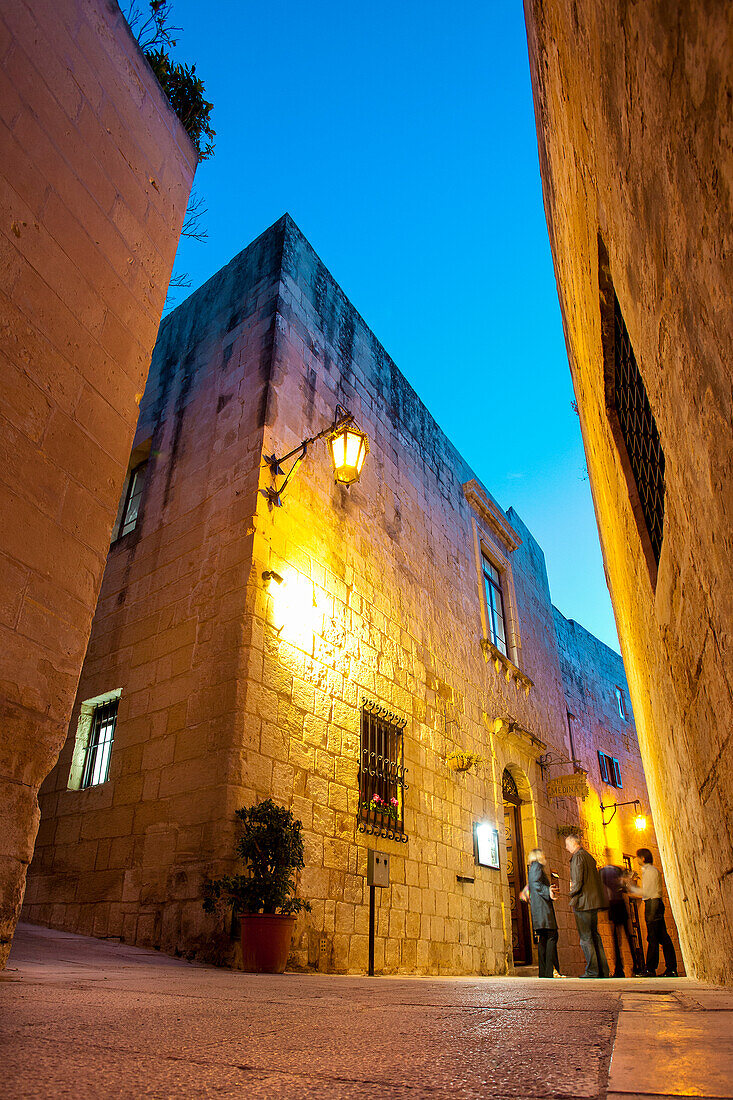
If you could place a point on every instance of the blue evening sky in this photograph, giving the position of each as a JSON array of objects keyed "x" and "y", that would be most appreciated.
[{"x": 400, "y": 136}]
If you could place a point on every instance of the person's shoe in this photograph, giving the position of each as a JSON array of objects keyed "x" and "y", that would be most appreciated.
[
  {"x": 618, "y": 974},
  {"x": 557, "y": 975},
  {"x": 670, "y": 974},
  {"x": 637, "y": 973},
  {"x": 649, "y": 974},
  {"x": 592, "y": 976}
]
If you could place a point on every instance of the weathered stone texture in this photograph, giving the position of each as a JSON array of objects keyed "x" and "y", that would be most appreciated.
[
  {"x": 634, "y": 124},
  {"x": 95, "y": 171},
  {"x": 591, "y": 671},
  {"x": 227, "y": 700}
]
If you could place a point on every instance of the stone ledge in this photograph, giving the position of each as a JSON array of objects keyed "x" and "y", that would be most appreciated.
[
  {"x": 503, "y": 664},
  {"x": 491, "y": 514}
]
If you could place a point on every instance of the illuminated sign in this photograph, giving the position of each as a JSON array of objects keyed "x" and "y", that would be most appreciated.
[{"x": 486, "y": 845}]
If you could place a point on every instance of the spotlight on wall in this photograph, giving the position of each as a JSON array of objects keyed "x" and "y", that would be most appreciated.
[
  {"x": 348, "y": 446},
  {"x": 270, "y": 577}
]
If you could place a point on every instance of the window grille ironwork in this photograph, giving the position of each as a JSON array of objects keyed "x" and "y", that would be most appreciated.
[
  {"x": 494, "y": 605},
  {"x": 639, "y": 431},
  {"x": 132, "y": 499},
  {"x": 382, "y": 770},
  {"x": 509, "y": 788},
  {"x": 99, "y": 749}
]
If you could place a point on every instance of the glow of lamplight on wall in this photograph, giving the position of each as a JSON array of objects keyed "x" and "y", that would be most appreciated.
[{"x": 295, "y": 612}]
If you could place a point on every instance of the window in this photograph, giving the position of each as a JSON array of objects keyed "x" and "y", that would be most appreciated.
[
  {"x": 610, "y": 770},
  {"x": 99, "y": 748},
  {"x": 381, "y": 773},
  {"x": 132, "y": 499},
  {"x": 494, "y": 605},
  {"x": 620, "y": 702},
  {"x": 639, "y": 432}
]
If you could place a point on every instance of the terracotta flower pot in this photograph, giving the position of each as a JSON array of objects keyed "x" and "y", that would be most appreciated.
[{"x": 266, "y": 939}]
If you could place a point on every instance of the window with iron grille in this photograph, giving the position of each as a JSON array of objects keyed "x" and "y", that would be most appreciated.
[
  {"x": 99, "y": 749},
  {"x": 494, "y": 605},
  {"x": 132, "y": 500},
  {"x": 382, "y": 773},
  {"x": 610, "y": 769},
  {"x": 639, "y": 431}
]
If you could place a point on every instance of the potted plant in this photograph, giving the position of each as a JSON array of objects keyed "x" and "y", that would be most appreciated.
[{"x": 270, "y": 846}]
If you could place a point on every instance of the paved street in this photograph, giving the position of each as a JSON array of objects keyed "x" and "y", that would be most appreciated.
[{"x": 89, "y": 1018}]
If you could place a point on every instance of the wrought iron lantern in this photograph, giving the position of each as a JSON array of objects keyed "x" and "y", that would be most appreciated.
[{"x": 348, "y": 447}]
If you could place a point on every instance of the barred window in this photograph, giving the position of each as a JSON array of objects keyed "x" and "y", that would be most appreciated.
[
  {"x": 382, "y": 773},
  {"x": 494, "y": 605},
  {"x": 99, "y": 749},
  {"x": 639, "y": 431}
]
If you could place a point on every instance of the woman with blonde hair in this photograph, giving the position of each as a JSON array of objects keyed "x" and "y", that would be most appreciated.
[{"x": 541, "y": 897}]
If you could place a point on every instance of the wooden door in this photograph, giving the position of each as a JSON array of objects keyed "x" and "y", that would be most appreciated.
[{"x": 516, "y": 873}]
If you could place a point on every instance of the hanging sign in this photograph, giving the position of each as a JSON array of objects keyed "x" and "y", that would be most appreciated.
[{"x": 568, "y": 786}]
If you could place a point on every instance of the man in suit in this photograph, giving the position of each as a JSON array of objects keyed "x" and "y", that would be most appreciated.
[{"x": 587, "y": 896}]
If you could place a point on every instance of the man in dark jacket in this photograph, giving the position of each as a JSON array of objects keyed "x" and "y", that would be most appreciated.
[{"x": 587, "y": 896}]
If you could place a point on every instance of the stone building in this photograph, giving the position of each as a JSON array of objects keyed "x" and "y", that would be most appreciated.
[
  {"x": 95, "y": 170},
  {"x": 242, "y": 649},
  {"x": 634, "y": 127}
]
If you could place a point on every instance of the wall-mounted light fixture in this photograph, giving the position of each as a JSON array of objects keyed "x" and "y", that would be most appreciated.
[
  {"x": 347, "y": 445},
  {"x": 639, "y": 820}
]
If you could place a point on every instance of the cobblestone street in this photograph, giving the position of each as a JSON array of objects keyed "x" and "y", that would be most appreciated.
[{"x": 89, "y": 1018}]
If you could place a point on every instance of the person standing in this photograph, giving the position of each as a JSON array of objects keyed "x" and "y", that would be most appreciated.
[
  {"x": 541, "y": 897},
  {"x": 656, "y": 929},
  {"x": 614, "y": 881},
  {"x": 587, "y": 896}
]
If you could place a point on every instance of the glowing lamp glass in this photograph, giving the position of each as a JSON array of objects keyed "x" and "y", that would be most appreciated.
[
  {"x": 640, "y": 822},
  {"x": 349, "y": 447}
]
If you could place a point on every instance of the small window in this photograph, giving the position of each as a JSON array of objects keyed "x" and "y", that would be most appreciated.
[
  {"x": 620, "y": 703},
  {"x": 610, "y": 769},
  {"x": 132, "y": 500},
  {"x": 381, "y": 773},
  {"x": 99, "y": 749},
  {"x": 494, "y": 605}
]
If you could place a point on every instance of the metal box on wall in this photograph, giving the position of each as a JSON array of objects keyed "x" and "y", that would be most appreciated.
[{"x": 377, "y": 868}]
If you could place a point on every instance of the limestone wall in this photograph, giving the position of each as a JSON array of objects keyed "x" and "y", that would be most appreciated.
[
  {"x": 591, "y": 673},
  {"x": 231, "y": 694},
  {"x": 95, "y": 171},
  {"x": 633, "y": 116}
]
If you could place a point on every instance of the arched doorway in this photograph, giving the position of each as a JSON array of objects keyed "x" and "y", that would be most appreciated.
[{"x": 516, "y": 870}]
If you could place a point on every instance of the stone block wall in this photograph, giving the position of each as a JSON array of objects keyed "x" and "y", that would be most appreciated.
[
  {"x": 591, "y": 673},
  {"x": 633, "y": 117},
  {"x": 95, "y": 172},
  {"x": 234, "y": 690}
]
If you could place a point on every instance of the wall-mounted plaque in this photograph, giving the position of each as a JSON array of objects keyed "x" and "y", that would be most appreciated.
[{"x": 486, "y": 845}]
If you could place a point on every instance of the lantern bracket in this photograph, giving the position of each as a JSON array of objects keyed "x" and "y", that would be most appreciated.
[
  {"x": 272, "y": 495},
  {"x": 613, "y": 806}
]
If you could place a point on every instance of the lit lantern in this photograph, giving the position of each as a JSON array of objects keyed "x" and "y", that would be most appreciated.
[
  {"x": 349, "y": 447},
  {"x": 640, "y": 822}
]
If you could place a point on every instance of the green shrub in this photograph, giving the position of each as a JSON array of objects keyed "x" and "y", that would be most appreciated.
[{"x": 270, "y": 846}]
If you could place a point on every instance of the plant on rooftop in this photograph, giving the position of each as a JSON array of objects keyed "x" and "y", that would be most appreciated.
[{"x": 185, "y": 90}]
